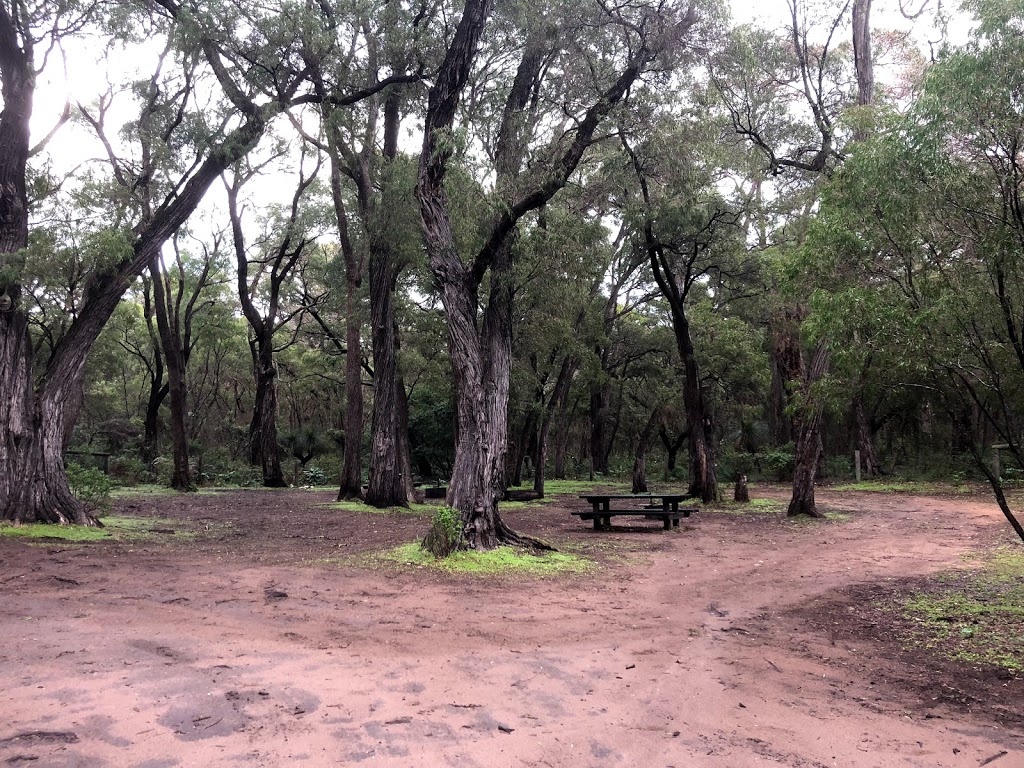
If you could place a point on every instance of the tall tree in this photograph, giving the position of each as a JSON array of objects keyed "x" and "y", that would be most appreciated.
[
  {"x": 273, "y": 265},
  {"x": 481, "y": 349}
]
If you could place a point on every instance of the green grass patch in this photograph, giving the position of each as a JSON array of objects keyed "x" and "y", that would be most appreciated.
[
  {"x": 145, "y": 490},
  {"x": 901, "y": 486},
  {"x": 754, "y": 506},
  {"x": 115, "y": 528},
  {"x": 417, "y": 510},
  {"x": 830, "y": 517},
  {"x": 500, "y": 561},
  {"x": 578, "y": 487},
  {"x": 73, "y": 533},
  {"x": 974, "y": 616}
]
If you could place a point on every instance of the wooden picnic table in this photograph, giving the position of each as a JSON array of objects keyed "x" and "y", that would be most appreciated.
[{"x": 659, "y": 506}]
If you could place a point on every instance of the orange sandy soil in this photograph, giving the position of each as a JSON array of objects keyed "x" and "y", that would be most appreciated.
[{"x": 737, "y": 641}]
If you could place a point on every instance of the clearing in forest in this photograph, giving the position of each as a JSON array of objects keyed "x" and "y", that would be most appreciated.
[{"x": 267, "y": 629}]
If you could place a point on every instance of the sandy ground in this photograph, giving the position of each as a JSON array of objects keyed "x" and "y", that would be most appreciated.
[{"x": 689, "y": 648}]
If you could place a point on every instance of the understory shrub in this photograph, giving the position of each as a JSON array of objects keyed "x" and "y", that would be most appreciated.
[
  {"x": 91, "y": 487},
  {"x": 445, "y": 533}
]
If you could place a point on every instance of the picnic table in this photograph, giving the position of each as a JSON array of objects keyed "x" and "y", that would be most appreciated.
[{"x": 659, "y": 506}]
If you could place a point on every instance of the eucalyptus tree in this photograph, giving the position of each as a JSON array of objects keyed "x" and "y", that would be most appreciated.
[
  {"x": 178, "y": 299},
  {"x": 785, "y": 93},
  {"x": 252, "y": 80},
  {"x": 265, "y": 272},
  {"x": 533, "y": 152},
  {"x": 552, "y": 318},
  {"x": 368, "y": 184},
  {"x": 925, "y": 226},
  {"x": 690, "y": 235}
]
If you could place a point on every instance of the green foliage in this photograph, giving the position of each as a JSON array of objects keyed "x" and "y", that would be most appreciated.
[
  {"x": 90, "y": 486},
  {"x": 445, "y": 533},
  {"x": 314, "y": 476},
  {"x": 129, "y": 470},
  {"x": 779, "y": 462}
]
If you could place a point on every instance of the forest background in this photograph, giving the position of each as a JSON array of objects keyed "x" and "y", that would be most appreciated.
[{"x": 374, "y": 243}]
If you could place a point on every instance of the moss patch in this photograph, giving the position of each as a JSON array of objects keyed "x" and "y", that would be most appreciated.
[
  {"x": 417, "y": 510},
  {"x": 62, "y": 532},
  {"x": 578, "y": 487},
  {"x": 115, "y": 528},
  {"x": 974, "y": 616},
  {"x": 145, "y": 490},
  {"x": 500, "y": 561}
]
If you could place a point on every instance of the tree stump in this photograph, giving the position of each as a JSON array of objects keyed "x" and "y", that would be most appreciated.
[{"x": 741, "y": 493}]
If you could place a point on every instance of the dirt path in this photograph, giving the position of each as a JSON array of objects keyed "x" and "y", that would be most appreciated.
[{"x": 233, "y": 651}]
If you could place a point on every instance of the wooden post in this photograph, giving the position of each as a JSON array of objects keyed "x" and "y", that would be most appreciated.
[
  {"x": 856, "y": 464},
  {"x": 996, "y": 467}
]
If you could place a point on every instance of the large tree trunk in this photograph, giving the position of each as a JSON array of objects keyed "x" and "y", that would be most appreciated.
[
  {"x": 158, "y": 390},
  {"x": 33, "y": 485},
  {"x": 481, "y": 357},
  {"x": 263, "y": 448},
  {"x": 556, "y": 405},
  {"x": 672, "y": 447},
  {"x": 34, "y": 423},
  {"x": 865, "y": 436},
  {"x": 388, "y": 459},
  {"x": 808, "y": 442},
  {"x": 600, "y": 416},
  {"x": 170, "y": 342},
  {"x": 701, "y": 432},
  {"x": 643, "y": 442},
  {"x": 482, "y": 368},
  {"x": 352, "y": 469}
]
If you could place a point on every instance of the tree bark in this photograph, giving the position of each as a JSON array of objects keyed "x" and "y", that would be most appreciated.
[
  {"x": 556, "y": 405},
  {"x": 643, "y": 442},
  {"x": 862, "y": 58},
  {"x": 600, "y": 413},
  {"x": 808, "y": 443},
  {"x": 388, "y": 467},
  {"x": 170, "y": 342},
  {"x": 352, "y": 469},
  {"x": 865, "y": 436},
  {"x": 672, "y": 447},
  {"x": 263, "y": 448},
  {"x": 390, "y": 460}
]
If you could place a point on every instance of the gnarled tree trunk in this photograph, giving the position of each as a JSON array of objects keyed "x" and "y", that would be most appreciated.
[
  {"x": 808, "y": 442},
  {"x": 643, "y": 442}
]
